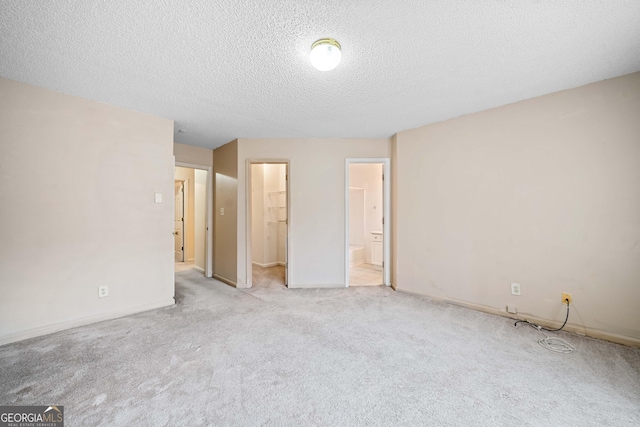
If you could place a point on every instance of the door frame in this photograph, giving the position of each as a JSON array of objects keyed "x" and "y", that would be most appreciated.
[
  {"x": 248, "y": 217},
  {"x": 208, "y": 238},
  {"x": 386, "y": 216}
]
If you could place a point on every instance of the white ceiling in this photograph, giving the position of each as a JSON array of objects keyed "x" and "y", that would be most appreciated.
[{"x": 224, "y": 69}]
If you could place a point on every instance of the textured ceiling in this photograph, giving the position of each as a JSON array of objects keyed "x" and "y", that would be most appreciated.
[{"x": 224, "y": 69}]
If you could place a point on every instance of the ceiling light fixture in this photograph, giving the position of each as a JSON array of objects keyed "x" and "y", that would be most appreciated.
[{"x": 325, "y": 54}]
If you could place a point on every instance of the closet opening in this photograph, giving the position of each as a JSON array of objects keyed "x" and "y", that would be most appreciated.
[{"x": 268, "y": 225}]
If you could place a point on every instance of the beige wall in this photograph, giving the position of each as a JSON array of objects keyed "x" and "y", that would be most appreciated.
[
  {"x": 188, "y": 176},
  {"x": 544, "y": 192},
  {"x": 317, "y": 185},
  {"x": 78, "y": 211},
  {"x": 225, "y": 237},
  {"x": 193, "y": 155}
]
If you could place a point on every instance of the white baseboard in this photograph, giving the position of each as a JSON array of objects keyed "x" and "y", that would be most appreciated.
[
  {"x": 241, "y": 285},
  {"x": 269, "y": 264},
  {"x": 315, "y": 285},
  {"x": 69, "y": 324},
  {"x": 576, "y": 329},
  {"x": 225, "y": 280},
  {"x": 266, "y": 265},
  {"x": 201, "y": 270}
]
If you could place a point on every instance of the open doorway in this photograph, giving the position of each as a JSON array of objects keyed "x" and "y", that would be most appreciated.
[
  {"x": 178, "y": 220},
  {"x": 366, "y": 224},
  {"x": 268, "y": 227},
  {"x": 192, "y": 219}
]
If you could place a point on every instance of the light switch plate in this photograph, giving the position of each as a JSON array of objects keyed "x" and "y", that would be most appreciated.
[{"x": 158, "y": 198}]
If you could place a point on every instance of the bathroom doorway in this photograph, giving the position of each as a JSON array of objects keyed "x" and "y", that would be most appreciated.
[
  {"x": 367, "y": 207},
  {"x": 269, "y": 225}
]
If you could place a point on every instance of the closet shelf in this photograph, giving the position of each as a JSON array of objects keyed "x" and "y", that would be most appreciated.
[
  {"x": 281, "y": 221},
  {"x": 277, "y": 192}
]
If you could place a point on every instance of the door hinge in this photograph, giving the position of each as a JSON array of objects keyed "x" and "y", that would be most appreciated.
[
  {"x": 382, "y": 220},
  {"x": 383, "y": 177}
]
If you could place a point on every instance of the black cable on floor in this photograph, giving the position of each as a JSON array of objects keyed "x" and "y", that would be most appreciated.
[{"x": 541, "y": 327}]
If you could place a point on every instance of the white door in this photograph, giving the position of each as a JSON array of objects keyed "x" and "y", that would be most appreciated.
[{"x": 178, "y": 223}]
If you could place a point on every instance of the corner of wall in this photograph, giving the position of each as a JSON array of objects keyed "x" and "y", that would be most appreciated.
[{"x": 225, "y": 207}]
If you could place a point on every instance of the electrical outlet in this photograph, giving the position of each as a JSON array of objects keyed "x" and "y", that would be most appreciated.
[
  {"x": 566, "y": 296},
  {"x": 515, "y": 289},
  {"x": 103, "y": 291}
]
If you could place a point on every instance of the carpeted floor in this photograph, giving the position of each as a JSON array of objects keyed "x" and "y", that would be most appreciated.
[{"x": 339, "y": 357}]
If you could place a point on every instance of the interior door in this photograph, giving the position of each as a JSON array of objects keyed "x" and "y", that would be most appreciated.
[{"x": 178, "y": 221}]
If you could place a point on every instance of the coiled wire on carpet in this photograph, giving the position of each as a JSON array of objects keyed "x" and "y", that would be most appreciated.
[{"x": 552, "y": 343}]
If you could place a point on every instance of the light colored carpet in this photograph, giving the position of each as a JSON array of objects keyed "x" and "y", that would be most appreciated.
[{"x": 339, "y": 357}]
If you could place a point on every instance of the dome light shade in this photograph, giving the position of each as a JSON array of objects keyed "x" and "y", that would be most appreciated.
[{"x": 325, "y": 54}]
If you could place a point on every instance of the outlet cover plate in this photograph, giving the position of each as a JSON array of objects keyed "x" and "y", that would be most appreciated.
[
  {"x": 103, "y": 291},
  {"x": 515, "y": 289}
]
